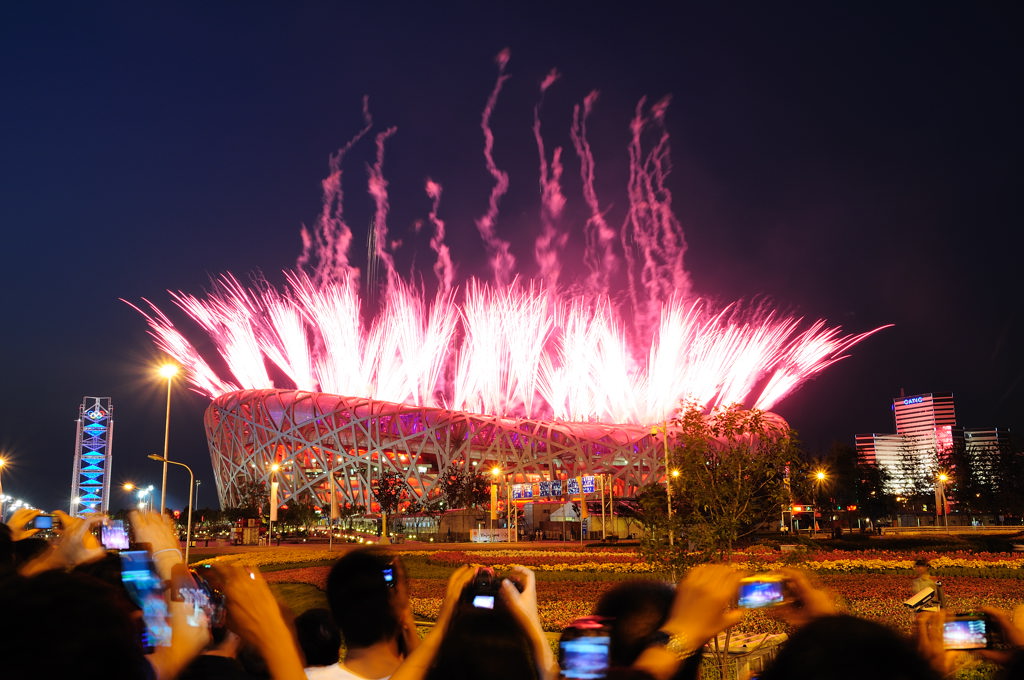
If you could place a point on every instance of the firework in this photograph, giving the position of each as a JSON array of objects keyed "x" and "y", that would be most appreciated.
[{"x": 539, "y": 347}]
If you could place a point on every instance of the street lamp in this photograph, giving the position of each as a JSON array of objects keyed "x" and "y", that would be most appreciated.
[
  {"x": 668, "y": 479},
  {"x": 820, "y": 477},
  {"x": 2, "y": 497},
  {"x": 940, "y": 497},
  {"x": 495, "y": 471},
  {"x": 167, "y": 371},
  {"x": 273, "y": 505},
  {"x": 191, "y": 484}
]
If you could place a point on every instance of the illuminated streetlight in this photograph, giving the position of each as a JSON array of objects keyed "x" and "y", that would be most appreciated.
[
  {"x": 2, "y": 497},
  {"x": 167, "y": 371},
  {"x": 820, "y": 477},
  {"x": 940, "y": 498},
  {"x": 274, "y": 467},
  {"x": 495, "y": 471},
  {"x": 668, "y": 481},
  {"x": 191, "y": 484}
]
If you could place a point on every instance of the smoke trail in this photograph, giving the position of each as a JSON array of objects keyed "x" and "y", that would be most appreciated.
[
  {"x": 378, "y": 187},
  {"x": 327, "y": 248},
  {"x": 550, "y": 241},
  {"x": 502, "y": 261},
  {"x": 597, "y": 253},
  {"x": 652, "y": 234},
  {"x": 443, "y": 267}
]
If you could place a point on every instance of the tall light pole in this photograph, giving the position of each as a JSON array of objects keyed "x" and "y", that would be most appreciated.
[
  {"x": 273, "y": 504},
  {"x": 2, "y": 497},
  {"x": 668, "y": 479},
  {"x": 940, "y": 498},
  {"x": 495, "y": 472},
  {"x": 819, "y": 478},
  {"x": 167, "y": 371},
  {"x": 191, "y": 485}
]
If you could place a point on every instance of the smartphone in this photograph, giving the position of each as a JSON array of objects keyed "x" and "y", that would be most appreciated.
[
  {"x": 45, "y": 522},
  {"x": 389, "y": 576},
  {"x": 483, "y": 601},
  {"x": 967, "y": 631},
  {"x": 113, "y": 535},
  {"x": 147, "y": 591},
  {"x": 211, "y": 600},
  {"x": 583, "y": 650},
  {"x": 763, "y": 590}
]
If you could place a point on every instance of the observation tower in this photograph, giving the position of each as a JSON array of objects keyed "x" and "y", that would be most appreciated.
[{"x": 90, "y": 482}]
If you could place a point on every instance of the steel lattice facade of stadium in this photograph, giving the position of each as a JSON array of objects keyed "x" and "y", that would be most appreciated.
[{"x": 314, "y": 436}]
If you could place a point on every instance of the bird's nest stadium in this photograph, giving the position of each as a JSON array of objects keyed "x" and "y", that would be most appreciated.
[{"x": 315, "y": 438}]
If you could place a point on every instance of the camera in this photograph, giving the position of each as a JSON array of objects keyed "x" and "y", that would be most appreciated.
[
  {"x": 920, "y": 599},
  {"x": 584, "y": 648},
  {"x": 113, "y": 535},
  {"x": 46, "y": 522},
  {"x": 967, "y": 631},
  {"x": 204, "y": 598},
  {"x": 762, "y": 590},
  {"x": 388, "y": 573},
  {"x": 484, "y": 588},
  {"x": 146, "y": 590}
]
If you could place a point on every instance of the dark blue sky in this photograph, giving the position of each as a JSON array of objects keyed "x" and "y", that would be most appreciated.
[{"x": 853, "y": 161}]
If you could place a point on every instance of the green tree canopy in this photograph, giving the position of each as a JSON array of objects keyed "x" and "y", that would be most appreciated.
[{"x": 733, "y": 467}]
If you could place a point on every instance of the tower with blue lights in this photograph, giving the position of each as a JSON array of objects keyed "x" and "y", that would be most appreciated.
[{"x": 90, "y": 485}]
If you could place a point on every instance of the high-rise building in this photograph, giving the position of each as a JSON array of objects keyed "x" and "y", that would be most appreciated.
[
  {"x": 90, "y": 485},
  {"x": 925, "y": 425},
  {"x": 984, "y": 450},
  {"x": 926, "y": 436}
]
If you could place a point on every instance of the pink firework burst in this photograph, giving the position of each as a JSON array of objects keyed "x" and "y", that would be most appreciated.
[{"x": 540, "y": 347}]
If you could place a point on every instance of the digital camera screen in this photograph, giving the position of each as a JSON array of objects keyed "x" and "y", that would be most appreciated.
[
  {"x": 585, "y": 658},
  {"x": 483, "y": 601},
  {"x": 113, "y": 535},
  {"x": 965, "y": 634},
  {"x": 756, "y": 594},
  {"x": 389, "y": 575},
  {"x": 43, "y": 522},
  {"x": 146, "y": 590}
]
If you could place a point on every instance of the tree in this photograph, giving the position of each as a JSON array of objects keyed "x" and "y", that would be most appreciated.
[
  {"x": 916, "y": 478},
  {"x": 390, "y": 490},
  {"x": 873, "y": 497},
  {"x": 463, "y": 487},
  {"x": 732, "y": 479},
  {"x": 252, "y": 498},
  {"x": 301, "y": 512}
]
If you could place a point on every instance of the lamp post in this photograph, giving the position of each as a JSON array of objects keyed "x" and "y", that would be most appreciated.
[
  {"x": 167, "y": 371},
  {"x": 940, "y": 498},
  {"x": 820, "y": 477},
  {"x": 495, "y": 472},
  {"x": 273, "y": 505},
  {"x": 668, "y": 479},
  {"x": 2, "y": 497},
  {"x": 191, "y": 485}
]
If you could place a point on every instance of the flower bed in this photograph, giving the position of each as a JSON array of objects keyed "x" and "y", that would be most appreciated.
[{"x": 879, "y": 597}]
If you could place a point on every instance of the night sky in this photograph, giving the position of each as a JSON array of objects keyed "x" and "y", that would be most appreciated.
[{"x": 850, "y": 161}]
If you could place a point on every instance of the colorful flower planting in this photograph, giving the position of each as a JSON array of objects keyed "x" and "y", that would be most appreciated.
[{"x": 872, "y": 585}]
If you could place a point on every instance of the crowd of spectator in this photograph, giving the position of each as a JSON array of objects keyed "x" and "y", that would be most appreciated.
[{"x": 70, "y": 609}]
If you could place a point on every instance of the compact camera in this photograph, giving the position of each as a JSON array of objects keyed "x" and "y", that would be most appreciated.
[
  {"x": 762, "y": 590},
  {"x": 584, "y": 648},
  {"x": 484, "y": 588},
  {"x": 968, "y": 631},
  {"x": 113, "y": 535},
  {"x": 44, "y": 522}
]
